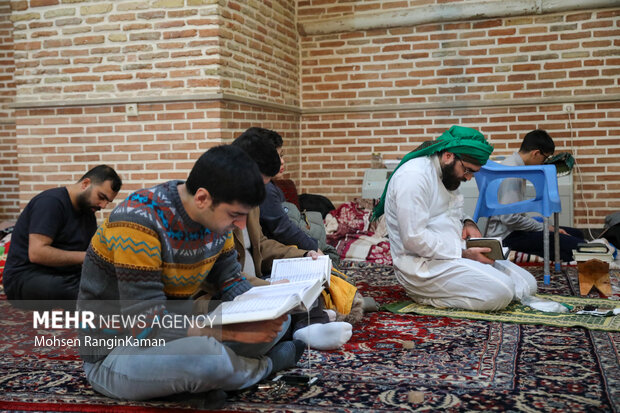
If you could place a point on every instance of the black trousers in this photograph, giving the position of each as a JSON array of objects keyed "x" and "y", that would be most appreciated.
[
  {"x": 532, "y": 242},
  {"x": 36, "y": 288}
]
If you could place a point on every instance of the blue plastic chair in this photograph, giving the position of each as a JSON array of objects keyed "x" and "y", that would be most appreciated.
[{"x": 546, "y": 202}]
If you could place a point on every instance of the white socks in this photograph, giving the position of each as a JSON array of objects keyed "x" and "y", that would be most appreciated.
[
  {"x": 329, "y": 336},
  {"x": 331, "y": 314},
  {"x": 544, "y": 305}
]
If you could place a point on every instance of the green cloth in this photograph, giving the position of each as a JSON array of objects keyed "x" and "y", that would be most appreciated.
[
  {"x": 458, "y": 140},
  {"x": 522, "y": 314}
]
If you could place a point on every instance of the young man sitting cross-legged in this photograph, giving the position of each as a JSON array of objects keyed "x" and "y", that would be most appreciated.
[{"x": 149, "y": 258}]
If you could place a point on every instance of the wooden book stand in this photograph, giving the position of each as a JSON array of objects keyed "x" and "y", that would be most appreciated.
[{"x": 594, "y": 273}]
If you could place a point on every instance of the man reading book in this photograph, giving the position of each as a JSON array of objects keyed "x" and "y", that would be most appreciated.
[
  {"x": 148, "y": 258},
  {"x": 521, "y": 232},
  {"x": 257, "y": 252},
  {"x": 427, "y": 228}
]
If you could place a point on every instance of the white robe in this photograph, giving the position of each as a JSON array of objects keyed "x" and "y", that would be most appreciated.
[{"x": 425, "y": 222}]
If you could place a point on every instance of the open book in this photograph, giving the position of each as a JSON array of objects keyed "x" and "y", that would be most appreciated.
[
  {"x": 302, "y": 269},
  {"x": 269, "y": 302},
  {"x": 498, "y": 251}
]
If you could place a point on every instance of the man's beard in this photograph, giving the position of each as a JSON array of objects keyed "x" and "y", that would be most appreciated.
[
  {"x": 83, "y": 203},
  {"x": 449, "y": 178}
]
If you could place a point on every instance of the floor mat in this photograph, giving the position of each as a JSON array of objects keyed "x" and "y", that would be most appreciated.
[
  {"x": 522, "y": 314},
  {"x": 393, "y": 362}
]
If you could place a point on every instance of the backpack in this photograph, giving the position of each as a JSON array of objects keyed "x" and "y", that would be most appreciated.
[
  {"x": 563, "y": 162},
  {"x": 313, "y": 202},
  {"x": 312, "y": 224}
]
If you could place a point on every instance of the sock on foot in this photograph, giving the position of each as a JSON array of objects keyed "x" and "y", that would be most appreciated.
[
  {"x": 331, "y": 314},
  {"x": 329, "y": 336},
  {"x": 285, "y": 354}
]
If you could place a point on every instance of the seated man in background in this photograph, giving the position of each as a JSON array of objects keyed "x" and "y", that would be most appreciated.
[
  {"x": 51, "y": 236},
  {"x": 427, "y": 228},
  {"x": 274, "y": 220},
  {"x": 149, "y": 258},
  {"x": 521, "y": 232},
  {"x": 257, "y": 252}
]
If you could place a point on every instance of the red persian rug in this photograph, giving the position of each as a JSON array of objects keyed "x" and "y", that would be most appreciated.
[{"x": 392, "y": 363}]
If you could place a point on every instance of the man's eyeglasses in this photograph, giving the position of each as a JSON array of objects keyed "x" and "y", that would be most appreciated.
[
  {"x": 466, "y": 169},
  {"x": 545, "y": 157}
]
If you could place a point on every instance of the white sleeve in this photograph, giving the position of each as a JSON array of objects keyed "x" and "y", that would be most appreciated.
[{"x": 413, "y": 214}]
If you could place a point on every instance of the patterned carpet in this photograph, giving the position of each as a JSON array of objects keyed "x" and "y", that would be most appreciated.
[{"x": 393, "y": 362}]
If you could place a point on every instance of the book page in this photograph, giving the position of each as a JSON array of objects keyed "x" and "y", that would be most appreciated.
[
  {"x": 277, "y": 290},
  {"x": 256, "y": 309},
  {"x": 268, "y": 302},
  {"x": 592, "y": 247},
  {"x": 300, "y": 269},
  {"x": 251, "y": 305},
  {"x": 486, "y": 238}
]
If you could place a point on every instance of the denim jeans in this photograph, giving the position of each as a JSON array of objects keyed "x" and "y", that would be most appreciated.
[{"x": 189, "y": 364}]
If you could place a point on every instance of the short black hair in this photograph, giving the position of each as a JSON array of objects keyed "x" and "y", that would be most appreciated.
[
  {"x": 538, "y": 140},
  {"x": 229, "y": 175},
  {"x": 274, "y": 136},
  {"x": 101, "y": 173},
  {"x": 261, "y": 149}
]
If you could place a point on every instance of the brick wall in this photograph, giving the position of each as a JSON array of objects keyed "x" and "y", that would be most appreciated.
[
  {"x": 9, "y": 186},
  {"x": 161, "y": 143},
  {"x": 97, "y": 50},
  {"x": 558, "y": 55},
  {"x": 388, "y": 89},
  {"x": 57, "y": 145},
  {"x": 94, "y": 50},
  {"x": 195, "y": 68},
  {"x": 202, "y": 71},
  {"x": 259, "y": 50},
  {"x": 310, "y": 9},
  {"x": 237, "y": 117}
]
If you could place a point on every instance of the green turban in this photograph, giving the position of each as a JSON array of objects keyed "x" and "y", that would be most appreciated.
[{"x": 465, "y": 142}]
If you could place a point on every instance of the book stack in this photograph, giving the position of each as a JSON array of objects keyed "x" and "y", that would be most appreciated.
[{"x": 588, "y": 251}]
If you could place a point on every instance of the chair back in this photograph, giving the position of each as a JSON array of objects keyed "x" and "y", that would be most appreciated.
[{"x": 543, "y": 177}]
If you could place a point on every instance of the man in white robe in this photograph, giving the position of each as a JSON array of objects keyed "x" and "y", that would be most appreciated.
[{"x": 427, "y": 229}]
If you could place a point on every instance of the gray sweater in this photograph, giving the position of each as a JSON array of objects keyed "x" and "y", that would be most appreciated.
[{"x": 512, "y": 190}]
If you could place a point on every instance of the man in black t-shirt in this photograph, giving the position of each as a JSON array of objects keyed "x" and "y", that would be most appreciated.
[{"x": 50, "y": 238}]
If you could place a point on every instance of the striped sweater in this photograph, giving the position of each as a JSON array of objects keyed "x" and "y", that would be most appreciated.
[{"x": 148, "y": 255}]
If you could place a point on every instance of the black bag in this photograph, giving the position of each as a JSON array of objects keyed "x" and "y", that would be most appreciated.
[
  {"x": 563, "y": 162},
  {"x": 312, "y": 202},
  {"x": 612, "y": 229}
]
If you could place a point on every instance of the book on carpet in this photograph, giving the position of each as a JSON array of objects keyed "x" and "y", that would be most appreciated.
[
  {"x": 597, "y": 247},
  {"x": 306, "y": 277},
  {"x": 498, "y": 251}
]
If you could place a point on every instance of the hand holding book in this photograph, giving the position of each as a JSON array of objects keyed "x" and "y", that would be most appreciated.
[
  {"x": 255, "y": 332},
  {"x": 252, "y": 332},
  {"x": 497, "y": 251},
  {"x": 307, "y": 277}
]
